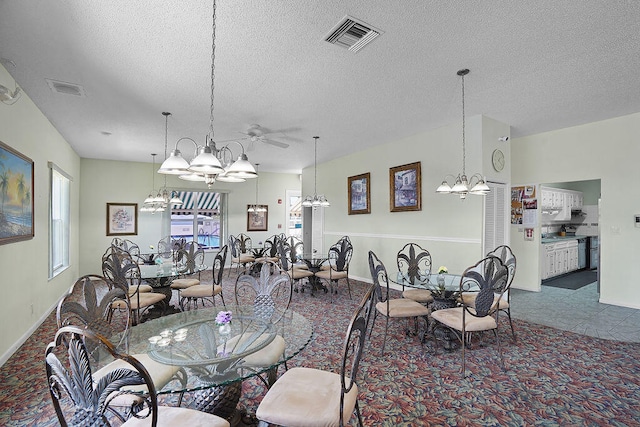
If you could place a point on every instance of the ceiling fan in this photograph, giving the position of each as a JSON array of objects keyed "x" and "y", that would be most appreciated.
[{"x": 256, "y": 133}]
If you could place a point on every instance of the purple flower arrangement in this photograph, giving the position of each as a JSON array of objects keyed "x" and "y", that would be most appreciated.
[{"x": 223, "y": 318}]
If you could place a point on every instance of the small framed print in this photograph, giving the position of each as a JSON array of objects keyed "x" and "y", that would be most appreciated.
[
  {"x": 405, "y": 188},
  {"x": 359, "y": 187},
  {"x": 122, "y": 219},
  {"x": 258, "y": 221}
]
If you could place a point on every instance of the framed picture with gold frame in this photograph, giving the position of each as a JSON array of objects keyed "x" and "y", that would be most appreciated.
[
  {"x": 122, "y": 219},
  {"x": 359, "y": 187},
  {"x": 258, "y": 221},
  {"x": 405, "y": 188}
]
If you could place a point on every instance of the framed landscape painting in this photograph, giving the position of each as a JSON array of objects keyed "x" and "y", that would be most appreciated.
[
  {"x": 405, "y": 188},
  {"x": 359, "y": 187},
  {"x": 16, "y": 196},
  {"x": 122, "y": 219},
  {"x": 258, "y": 221}
]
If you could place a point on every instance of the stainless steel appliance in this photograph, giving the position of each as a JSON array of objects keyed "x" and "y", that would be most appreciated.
[
  {"x": 582, "y": 253},
  {"x": 594, "y": 252}
]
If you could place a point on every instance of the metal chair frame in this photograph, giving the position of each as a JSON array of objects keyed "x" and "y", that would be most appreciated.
[
  {"x": 508, "y": 258},
  {"x": 414, "y": 262},
  {"x": 339, "y": 257},
  {"x": 217, "y": 272}
]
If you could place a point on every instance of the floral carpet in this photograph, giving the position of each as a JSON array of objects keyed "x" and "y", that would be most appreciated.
[{"x": 552, "y": 377}]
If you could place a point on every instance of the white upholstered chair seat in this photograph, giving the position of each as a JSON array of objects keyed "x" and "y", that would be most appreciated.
[
  {"x": 293, "y": 399},
  {"x": 171, "y": 416},
  {"x": 418, "y": 295},
  {"x": 402, "y": 307},
  {"x": 184, "y": 283},
  {"x": 243, "y": 259},
  {"x": 331, "y": 274},
  {"x": 299, "y": 273},
  {"x": 452, "y": 317},
  {"x": 266, "y": 356},
  {"x": 139, "y": 288},
  {"x": 144, "y": 299},
  {"x": 201, "y": 291},
  {"x": 469, "y": 298}
]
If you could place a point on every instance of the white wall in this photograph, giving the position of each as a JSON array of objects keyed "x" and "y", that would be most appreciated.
[
  {"x": 28, "y": 294},
  {"x": 131, "y": 183},
  {"x": 606, "y": 150},
  {"x": 449, "y": 228}
]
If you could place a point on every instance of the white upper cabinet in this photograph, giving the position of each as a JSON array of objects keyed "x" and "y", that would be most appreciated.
[{"x": 557, "y": 203}]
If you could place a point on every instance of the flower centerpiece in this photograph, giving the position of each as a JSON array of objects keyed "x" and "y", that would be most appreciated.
[
  {"x": 439, "y": 291},
  {"x": 151, "y": 257},
  {"x": 223, "y": 320}
]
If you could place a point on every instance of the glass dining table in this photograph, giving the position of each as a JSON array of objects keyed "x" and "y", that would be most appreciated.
[{"x": 212, "y": 358}]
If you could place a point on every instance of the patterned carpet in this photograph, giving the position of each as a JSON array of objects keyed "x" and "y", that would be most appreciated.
[{"x": 553, "y": 377}]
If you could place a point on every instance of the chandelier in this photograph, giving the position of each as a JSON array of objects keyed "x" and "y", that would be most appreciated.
[
  {"x": 164, "y": 197},
  {"x": 209, "y": 163},
  {"x": 461, "y": 185},
  {"x": 316, "y": 200},
  {"x": 256, "y": 207}
]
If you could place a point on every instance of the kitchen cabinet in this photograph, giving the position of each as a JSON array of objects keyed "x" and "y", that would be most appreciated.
[
  {"x": 559, "y": 258},
  {"x": 557, "y": 203}
]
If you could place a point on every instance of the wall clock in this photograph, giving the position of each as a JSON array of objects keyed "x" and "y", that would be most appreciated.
[{"x": 497, "y": 159}]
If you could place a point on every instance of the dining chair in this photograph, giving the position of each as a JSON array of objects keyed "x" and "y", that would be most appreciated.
[
  {"x": 414, "y": 268},
  {"x": 391, "y": 307},
  {"x": 190, "y": 259},
  {"x": 308, "y": 397},
  {"x": 508, "y": 258},
  {"x": 122, "y": 271},
  {"x": 168, "y": 248},
  {"x": 79, "y": 399},
  {"x": 207, "y": 292},
  {"x": 245, "y": 243},
  {"x": 88, "y": 305},
  {"x": 339, "y": 257},
  {"x": 296, "y": 252},
  {"x": 128, "y": 246},
  {"x": 238, "y": 258},
  {"x": 296, "y": 274},
  {"x": 270, "y": 295},
  {"x": 270, "y": 249},
  {"x": 491, "y": 277}
]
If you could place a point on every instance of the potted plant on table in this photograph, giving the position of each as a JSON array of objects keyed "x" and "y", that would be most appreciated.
[{"x": 443, "y": 297}]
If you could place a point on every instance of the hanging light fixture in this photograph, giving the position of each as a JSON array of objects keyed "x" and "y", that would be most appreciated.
[
  {"x": 168, "y": 197},
  {"x": 153, "y": 202},
  {"x": 461, "y": 185},
  {"x": 256, "y": 207},
  {"x": 206, "y": 165},
  {"x": 316, "y": 200}
]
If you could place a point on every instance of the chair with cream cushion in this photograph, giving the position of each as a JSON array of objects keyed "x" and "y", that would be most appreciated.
[
  {"x": 508, "y": 258},
  {"x": 339, "y": 257},
  {"x": 414, "y": 268},
  {"x": 391, "y": 308},
  {"x": 238, "y": 258},
  {"x": 309, "y": 397},
  {"x": 134, "y": 251},
  {"x": 490, "y": 276},
  {"x": 270, "y": 295},
  {"x": 80, "y": 400},
  {"x": 270, "y": 249},
  {"x": 119, "y": 268},
  {"x": 207, "y": 292},
  {"x": 190, "y": 261},
  {"x": 88, "y": 305},
  {"x": 296, "y": 274}
]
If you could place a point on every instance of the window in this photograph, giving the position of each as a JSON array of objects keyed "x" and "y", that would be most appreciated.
[
  {"x": 58, "y": 221},
  {"x": 198, "y": 218}
]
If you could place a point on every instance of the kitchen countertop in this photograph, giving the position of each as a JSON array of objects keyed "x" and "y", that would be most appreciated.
[{"x": 555, "y": 239}]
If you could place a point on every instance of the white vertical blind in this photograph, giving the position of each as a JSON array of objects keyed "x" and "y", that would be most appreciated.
[{"x": 496, "y": 214}]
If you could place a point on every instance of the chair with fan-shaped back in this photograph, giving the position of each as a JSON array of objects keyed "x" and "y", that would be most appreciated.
[
  {"x": 128, "y": 246},
  {"x": 270, "y": 295},
  {"x": 296, "y": 252},
  {"x": 491, "y": 277},
  {"x": 296, "y": 274},
  {"x": 270, "y": 249},
  {"x": 238, "y": 258},
  {"x": 190, "y": 262},
  {"x": 89, "y": 305},
  {"x": 80, "y": 400},
  {"x": 414, "y": 269},
  {"x": 339, "y": 257},
  {"x": 245, "y": 243},
  {"x": 190, "y": 296},
  {"x": 124, "y": 272}
]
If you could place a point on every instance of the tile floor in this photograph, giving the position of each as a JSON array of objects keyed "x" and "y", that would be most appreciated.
[{"x": 581, "y": 312}]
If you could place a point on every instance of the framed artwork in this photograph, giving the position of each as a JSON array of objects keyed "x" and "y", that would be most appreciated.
[
  {"x": 16, "y": 196},
  {"x": 405, "y": 188},
  {"x": 258, "y": 221},
  {"x": 359, "y": 194},
  {"x": 122, "y": 219}
]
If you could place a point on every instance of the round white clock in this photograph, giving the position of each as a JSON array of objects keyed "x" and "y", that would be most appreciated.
[{"x": 497, "y": 159}]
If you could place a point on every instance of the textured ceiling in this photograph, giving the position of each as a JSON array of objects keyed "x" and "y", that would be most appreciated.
[{"x": 537, "y": 66}]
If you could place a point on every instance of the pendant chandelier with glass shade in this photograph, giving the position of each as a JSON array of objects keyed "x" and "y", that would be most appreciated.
[
  {"x": 256, "y": 207},
  {"x": 461, "y": 185},
  {"x": 164, "y": 197},
  {"x": 315, "y": 200},
  {"x": 209, "y": 163}
]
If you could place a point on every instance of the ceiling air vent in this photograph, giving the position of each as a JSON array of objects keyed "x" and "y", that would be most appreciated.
[
  {"x": 352, "y": 34},
  {"x": 66, "y": 88}
]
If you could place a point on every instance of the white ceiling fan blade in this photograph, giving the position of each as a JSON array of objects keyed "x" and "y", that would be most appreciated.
[{"x": 276, "y": 143}]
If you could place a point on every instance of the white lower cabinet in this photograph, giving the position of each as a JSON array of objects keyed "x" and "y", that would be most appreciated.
[{"x": 559, "y": 258}]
